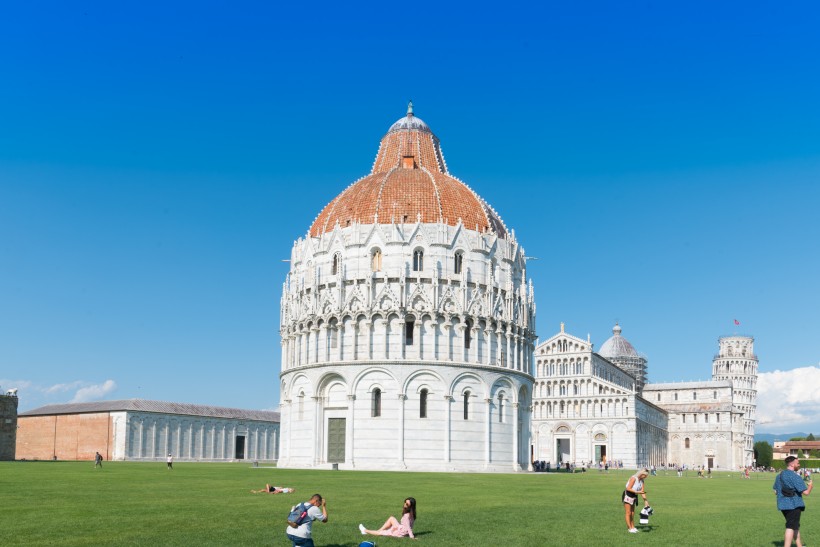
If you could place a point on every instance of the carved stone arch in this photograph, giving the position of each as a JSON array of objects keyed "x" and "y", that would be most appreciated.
[
  {"x": 502, "y": 384},
  {"x": 328, "y": 304},
  {"x": 481, "y": 383},
  {"x": 476, "y": 305},
  {"x": 448, "y": 302},
  {"x": 423, "y": 372},
  {"x": 497, "y": 308},
  {"x": 523, "y": 395},
  {"x": 386, "y": 300},
  {"x": 563, "y": 428},
  {"x": 419, "y": 300},
  {"x": 369, "y": 370},
  {"x": 299, "y": 381},
  {"x": 327, "y": 380}
]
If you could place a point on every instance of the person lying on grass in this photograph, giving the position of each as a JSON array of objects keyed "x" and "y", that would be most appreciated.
[
  {"x": 393, "y": 527},
  {"x": 274, "y": 490}
]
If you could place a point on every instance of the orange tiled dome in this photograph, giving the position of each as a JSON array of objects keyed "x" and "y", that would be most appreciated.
[{"x": 409, "y": 181}]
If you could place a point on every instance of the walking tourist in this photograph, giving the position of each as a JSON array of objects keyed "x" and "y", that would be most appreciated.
[{"x": 789, "y": 489}]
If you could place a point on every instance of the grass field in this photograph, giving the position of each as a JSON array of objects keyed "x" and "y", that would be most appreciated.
[{"x": 71, "y": 503}]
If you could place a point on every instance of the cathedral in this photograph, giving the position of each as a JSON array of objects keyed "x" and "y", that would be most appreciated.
[
  {"x": 596, "y": 407},
  {"x": 408, "y": 342}
]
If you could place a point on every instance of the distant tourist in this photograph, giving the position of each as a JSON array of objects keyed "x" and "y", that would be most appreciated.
[
  {"x": 789, "y": 489},
  {"x": 302, "y": 535},
  {"x": 170, "y": 461},
  {"x": 393, "y": 527},
  {"x": 274, "y": 490},
  {"x": 97, "y": 460},
  {"x": 634, "y": 488}
]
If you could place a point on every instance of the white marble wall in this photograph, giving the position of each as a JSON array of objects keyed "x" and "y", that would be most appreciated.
[{"x": 152, "y": 436}]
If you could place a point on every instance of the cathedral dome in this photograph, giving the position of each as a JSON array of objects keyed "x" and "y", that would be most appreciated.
[
  {"x": 409, "y": 183},
  {"x": 617, "y": 346}
]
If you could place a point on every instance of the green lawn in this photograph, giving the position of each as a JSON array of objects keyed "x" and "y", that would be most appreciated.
[{"x": 71, "y": 503}]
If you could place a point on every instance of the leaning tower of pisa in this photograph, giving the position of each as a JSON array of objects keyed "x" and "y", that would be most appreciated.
[{"x": 736, "y": 361}]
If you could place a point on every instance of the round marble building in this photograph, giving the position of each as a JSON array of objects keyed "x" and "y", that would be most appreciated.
[{"x": 407, "y": 324}]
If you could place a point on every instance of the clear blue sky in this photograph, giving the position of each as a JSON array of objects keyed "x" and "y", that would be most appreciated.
[{"x": 157, "y": 160}]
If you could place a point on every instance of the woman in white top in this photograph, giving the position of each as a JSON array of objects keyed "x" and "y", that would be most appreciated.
[{"x": 634, "y": 488}]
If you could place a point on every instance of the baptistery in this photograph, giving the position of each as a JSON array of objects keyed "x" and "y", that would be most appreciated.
[{"x": 407, "y": 324}]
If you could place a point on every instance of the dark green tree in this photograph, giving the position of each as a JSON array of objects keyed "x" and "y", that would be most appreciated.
[
  {"x": 800, "y": 455},
  {"x": 798, "y": 439},
  {"x": 763, "y": 453},
  {"x": 810, "y": 437}
]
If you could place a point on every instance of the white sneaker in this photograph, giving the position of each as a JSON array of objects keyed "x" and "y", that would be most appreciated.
[
  {"x": 633, "y": 531},
  {"x": 361, "y": 529}
]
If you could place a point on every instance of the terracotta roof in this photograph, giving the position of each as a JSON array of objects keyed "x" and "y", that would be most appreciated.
[
  {"x": 409, "y": 182},
  {"x": 159, "y": 407}
]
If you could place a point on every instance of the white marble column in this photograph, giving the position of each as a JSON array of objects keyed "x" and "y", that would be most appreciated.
[
  {"x": 488, "y": 345},
  {"x": 349, "y": 446},
  {"x": 340, "y": 340},
  {"x": 516, "y": 358},
  {"x": 446, "y": 326},
  {"x": 474, "y": 343},
  {"x": 418, "y": 351},
  {"x": 488, "y": 433},
  {"x": 314, "y": 339},
  {"x": 499, "y": 347},
  {"x": 317, "y": 430},
  {"x": 323, "y": 346},
  {"x": 448, "y": 401},
  {"x": 356, "y": 334},
  {"x": 508, "y": 334},
  {"x": 516, "y": 448},
  {"x": 402, "y": 400},
  {"x": 434, "y": 323}
]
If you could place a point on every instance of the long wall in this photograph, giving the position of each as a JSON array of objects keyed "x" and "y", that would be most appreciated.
[{"x": 145, "y": 436}]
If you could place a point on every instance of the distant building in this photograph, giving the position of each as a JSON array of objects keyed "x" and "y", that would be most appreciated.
[
  {"x": 590, "y": 406},
  {"x": 8, "y": 424},
  {"x": 140, "y": 430},
  {"x": 783, "y": 449}
]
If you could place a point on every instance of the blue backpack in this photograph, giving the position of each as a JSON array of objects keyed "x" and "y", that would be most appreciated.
[{"x": 299, "y": 515}]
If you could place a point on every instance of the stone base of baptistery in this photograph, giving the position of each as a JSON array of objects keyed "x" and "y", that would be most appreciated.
[{"x": 408, "y": 416}]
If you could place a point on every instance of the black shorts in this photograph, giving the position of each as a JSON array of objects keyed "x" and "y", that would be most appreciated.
[
  {"x": 631, "y": 494},
  {"x": 793, "y": 518}
]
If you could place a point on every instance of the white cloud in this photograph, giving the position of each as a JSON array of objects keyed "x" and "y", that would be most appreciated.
[
  {"x": 33, "y": 395},
  {"x": 14, "y": 384},
  {"x": 62, "y": 388},
  {"x": 788, "y": 400},
  {"x": 92, "y": 392}
]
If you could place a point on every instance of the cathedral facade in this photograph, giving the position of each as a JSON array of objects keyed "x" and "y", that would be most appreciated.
[
  {"x": 407, "y": 324},
  {"x": 597, "y": 406}
]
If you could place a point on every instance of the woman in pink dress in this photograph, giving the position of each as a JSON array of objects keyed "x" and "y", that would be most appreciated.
[{"x": 395, "y": 528}]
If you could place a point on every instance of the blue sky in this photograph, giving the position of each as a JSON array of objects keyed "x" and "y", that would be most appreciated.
[{"x": 157, "y": 160}]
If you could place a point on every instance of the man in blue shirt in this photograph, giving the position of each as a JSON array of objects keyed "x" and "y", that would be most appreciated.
[{"x": 789, "y": 488}]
